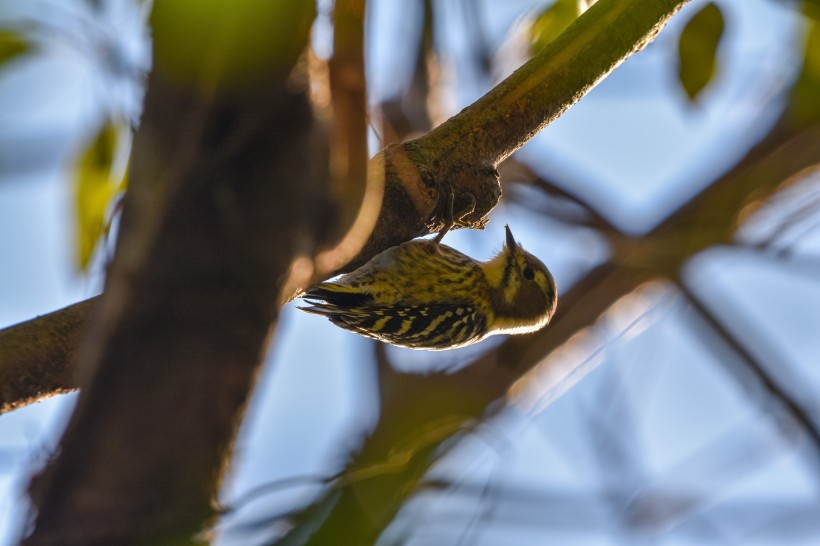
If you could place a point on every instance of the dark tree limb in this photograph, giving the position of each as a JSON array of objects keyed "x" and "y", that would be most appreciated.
[
  {"x": 348, "y": 95},
  {"x": 222, "y": 174},
  {"x": 759, "y": 370},
  {"x": 408, "y": 114},
  {"x": 37, "y": 357}
]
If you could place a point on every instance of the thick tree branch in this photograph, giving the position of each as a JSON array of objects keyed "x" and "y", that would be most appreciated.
[
  {"x": 37, "y": 357},
  {"x": 488, "y": 131},
  {"x": 222, "y": 174},
  {"x": 463, "y": 153},
  {"x": 406, "y": 181},
  {"x": 348, "y": 95}
]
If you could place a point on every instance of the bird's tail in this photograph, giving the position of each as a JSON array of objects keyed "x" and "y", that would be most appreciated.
[{"x": 337, "y": 295}]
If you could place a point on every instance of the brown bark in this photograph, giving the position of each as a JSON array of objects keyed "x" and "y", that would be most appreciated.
[
  {"x": 37, "y": 357},
  {"x": 223, "y": 170}
]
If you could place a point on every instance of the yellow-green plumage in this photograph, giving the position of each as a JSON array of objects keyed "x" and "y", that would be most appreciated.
[{"x": 425, "y": 295}]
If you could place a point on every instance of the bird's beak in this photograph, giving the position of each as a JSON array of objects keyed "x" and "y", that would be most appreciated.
[{"x": 511, "y": 244}]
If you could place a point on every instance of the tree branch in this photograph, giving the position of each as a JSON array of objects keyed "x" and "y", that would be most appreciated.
[
  {"x": 405, "y": 181},
  {"x": 463, "y": 153},
  {"x": 37, "y": 357},
  {"x": 500, "y": 122},
  {"x": 710, "y": 218},
  {"x": 222, "y": 173}
]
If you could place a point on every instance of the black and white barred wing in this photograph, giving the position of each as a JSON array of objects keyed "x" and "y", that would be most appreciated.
[{"x": 431, "y": 327}]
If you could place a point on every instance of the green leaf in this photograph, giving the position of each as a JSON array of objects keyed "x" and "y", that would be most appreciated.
[
  {"x": 811, "y": 8},
  {"x": 552, "y": 22},
  {"x": 99, "y": 178},
  {"x": 804, "y": 107},
  {"x": 11, "y": 46},
  {"x": 229, "y": 45},
  {"x": 697, "y": 49}
]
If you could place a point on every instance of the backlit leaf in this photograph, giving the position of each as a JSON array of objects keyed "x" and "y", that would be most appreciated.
[
  {"x": 697, "y": 50},
  {"x": 552, "y": 22},
  {"x": 11, "y": 46},
  {"x": 811, "y": 8},
  {"x": 804, "y": 106},
  {"x": 99, "y": 178}
]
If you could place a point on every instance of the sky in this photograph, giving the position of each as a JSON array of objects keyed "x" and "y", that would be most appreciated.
[{"x": 635, "y": 148}]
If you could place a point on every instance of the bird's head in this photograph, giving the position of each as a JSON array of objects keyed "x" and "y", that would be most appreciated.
[{"x": 522, "y": 290}]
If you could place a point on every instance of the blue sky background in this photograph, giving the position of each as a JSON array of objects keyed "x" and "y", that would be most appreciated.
[{"x": 662, "y": 389}]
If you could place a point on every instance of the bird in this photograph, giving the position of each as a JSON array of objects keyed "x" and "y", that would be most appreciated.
[{"x": 426, "y": 295}]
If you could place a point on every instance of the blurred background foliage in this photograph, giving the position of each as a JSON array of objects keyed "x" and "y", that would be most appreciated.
[
  {"x": 698, "y": 48},
  {"x": 672, "y": 401},
  {"x": 98, "y": 182}
]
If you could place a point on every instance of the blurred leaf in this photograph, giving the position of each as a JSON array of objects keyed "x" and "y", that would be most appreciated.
[
  {"x": 552, "y": 22},
  {"x": 805, "y": 101},
  {"x": 11, "y": 45},
  {"x": 262, "y": 38},
  {"x": 811, "y": 8},
  {"x": 697, "y": 49},
  {"x": 97, "y": 182}
]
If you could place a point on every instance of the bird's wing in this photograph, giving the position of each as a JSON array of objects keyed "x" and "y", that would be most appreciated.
[{"x": 431, "y": 327}]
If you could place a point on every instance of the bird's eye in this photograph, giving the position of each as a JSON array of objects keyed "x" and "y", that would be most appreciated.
[{"x": 529, "y": 274}]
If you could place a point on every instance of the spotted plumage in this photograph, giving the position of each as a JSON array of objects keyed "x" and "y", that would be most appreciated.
[{"x": 425, "y": 295}]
